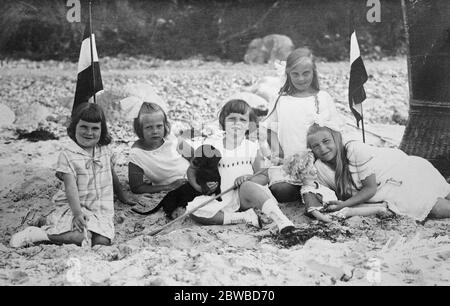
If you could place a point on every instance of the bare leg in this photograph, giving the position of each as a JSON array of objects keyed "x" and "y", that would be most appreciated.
[
  {"x": 441, "y": 209},
  {"x": 285, "y": 192},
  {"x": 217, "y": 219},
  {"x": 99, "y": 239},
  {"x": 73, "y": 237},
  {"x": 250, "y": 196},
  {"x": 364, "y": 211}
]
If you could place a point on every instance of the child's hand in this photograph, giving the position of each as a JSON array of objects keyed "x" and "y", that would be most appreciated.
[
  {"x": 79, "y": 221},
  {"x": 332, "y": 206},
  {"x": 238, "y": 182}
]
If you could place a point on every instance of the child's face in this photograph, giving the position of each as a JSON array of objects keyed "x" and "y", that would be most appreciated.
[
  {"x": 88, "y": 134},
  {"x": 302, "y": 76},
  {"x": 323, "y": 145},
  {"x": 153, "y": 126},
  {"x": 237, "y": 124}
]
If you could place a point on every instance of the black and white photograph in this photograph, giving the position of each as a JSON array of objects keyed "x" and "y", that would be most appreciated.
[{"x": 240, "y": 144}]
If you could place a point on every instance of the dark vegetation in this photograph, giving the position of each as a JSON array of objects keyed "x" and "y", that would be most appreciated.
[{"x": 179, "y": 29}]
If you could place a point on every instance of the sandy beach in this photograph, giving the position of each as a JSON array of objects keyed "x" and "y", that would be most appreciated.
[{"x": 357, "y": 251}]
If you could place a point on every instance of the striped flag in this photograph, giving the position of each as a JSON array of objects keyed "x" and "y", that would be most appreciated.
[
  {"x": 89, "y": 80},
  {"x": 358, "y": 76}
]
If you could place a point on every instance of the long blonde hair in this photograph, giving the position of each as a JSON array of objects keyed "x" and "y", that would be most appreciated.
[
  {"x": 343, "y": 177},
  {"x": 296, "y": 57}
]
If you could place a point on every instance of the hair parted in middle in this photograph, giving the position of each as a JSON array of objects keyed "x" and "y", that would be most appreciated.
[
  {"x": 149, "y": 108},
  {"x": 298, "y": 56},
  {"x": 343, "y": 176}
]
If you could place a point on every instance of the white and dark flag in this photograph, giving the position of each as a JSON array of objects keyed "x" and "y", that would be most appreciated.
[
  {"x": 89, "y": 79},
  {"x": 358, "y": 76}
]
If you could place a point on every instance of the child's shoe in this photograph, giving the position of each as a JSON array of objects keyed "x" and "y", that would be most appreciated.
[
  {"x": 252, "y": 218},
  {"x": 249, "y": 216},
  {"x": 28, "y": 236}
]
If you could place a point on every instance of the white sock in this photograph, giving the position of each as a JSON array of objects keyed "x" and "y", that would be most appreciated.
[
  {"x": 248, "y": 216},
  {"x": 28, "y": 236},
  {"x": 270, "y": 208}
]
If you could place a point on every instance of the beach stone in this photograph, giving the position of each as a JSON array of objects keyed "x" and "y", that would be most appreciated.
[
  {"x": 19, "y": 277},
  {"x": 355, "y": 222},
  {"x": 267, "y": 88},
  {"x": 258, "y": 103},
  {"x": 31, "y": 117},
  {"x": 136, "y": 94},
  {"x": 7, "y": 116},
  {"x": 268, "y": 49}
]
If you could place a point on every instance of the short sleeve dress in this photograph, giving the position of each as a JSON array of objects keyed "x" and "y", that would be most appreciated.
[
  {"x": 95, "y": 189},
  {"x": 410, "y": 185},
  {"x": 234, "y": 163},
  {"x": 163, "y": 165}
]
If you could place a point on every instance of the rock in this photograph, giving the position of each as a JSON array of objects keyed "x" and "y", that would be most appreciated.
[
  {"x": 355, "y": 222},
  {"x": 268, "y": 49},
  {"x": 268, "y": 88},
  {"x": 400, "y": 117},
  {"x": 19, "y": 277},
  {"x": 137, "y": 94},
  {"x": 7, "y": 116},
  {"x": 110, "y": 102},
  {"x": 259, "y": 104},
  {"x": 30, "y": 119}
]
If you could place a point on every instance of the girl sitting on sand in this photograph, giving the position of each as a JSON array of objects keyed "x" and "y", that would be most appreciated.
[
  {"x": 361, "y": 173},
  {"x": 86, "y": 207},
  {"x": 240, "y": 160},
  {"x": 155, "y": 155}
]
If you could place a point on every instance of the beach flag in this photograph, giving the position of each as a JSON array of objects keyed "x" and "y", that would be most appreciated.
[
  {"x": 89, "y": 80},
  {"x": 358, "y": 76}
]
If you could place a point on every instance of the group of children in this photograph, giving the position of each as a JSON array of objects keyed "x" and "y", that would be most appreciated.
[{"x": 344, "y": 178}]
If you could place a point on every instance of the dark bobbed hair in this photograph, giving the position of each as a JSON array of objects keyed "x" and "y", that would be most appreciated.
[
  {"x": 149, "y": 108},
  {"x": 237, "y": 106},
  {"x": 89, "y": 112}
]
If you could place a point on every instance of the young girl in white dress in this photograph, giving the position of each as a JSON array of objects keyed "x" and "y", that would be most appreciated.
[
  {"x": 300, "y": 104},
  {"x": 360, "y": 173},
  {"x": 240, "y": 160},
  {"x": 155, "y": 163}
]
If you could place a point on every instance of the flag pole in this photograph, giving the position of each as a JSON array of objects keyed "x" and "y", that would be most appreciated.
[
  {"x": 362, "y": 124},
  {"x": 92, "y": 49}
]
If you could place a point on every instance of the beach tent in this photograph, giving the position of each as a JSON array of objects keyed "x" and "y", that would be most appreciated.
[{"x": 427, "y": 133}]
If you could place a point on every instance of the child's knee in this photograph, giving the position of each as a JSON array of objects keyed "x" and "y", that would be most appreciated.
[
  {"x": 246, "y": 188},
  {"x": 285, "y": 192}
]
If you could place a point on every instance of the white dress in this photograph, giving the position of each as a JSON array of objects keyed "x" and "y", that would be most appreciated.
[
  {"x": 291, "y": 119},
  {"x": 234, "y": 163},
  {"x": 410, "y": 185},
  {"x": 163, "y": 165}
]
